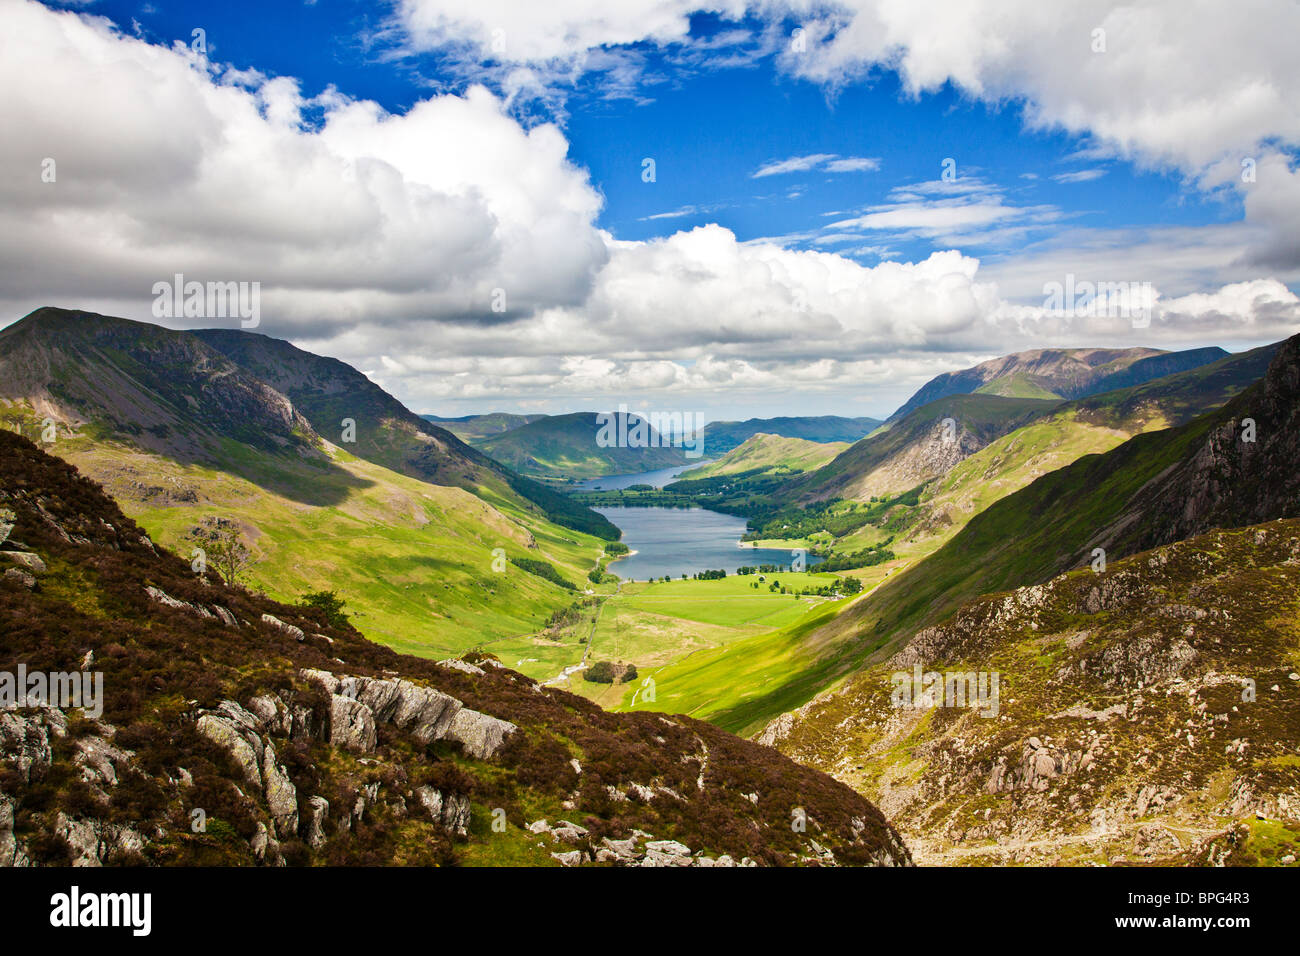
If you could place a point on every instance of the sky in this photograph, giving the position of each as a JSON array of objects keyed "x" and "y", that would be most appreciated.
[{"x": 732, "y": 208}]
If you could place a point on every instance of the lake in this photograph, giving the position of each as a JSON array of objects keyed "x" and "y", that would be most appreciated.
[
  {"x": 655, "y": 478},
  {"x": 677, "y": 541}
]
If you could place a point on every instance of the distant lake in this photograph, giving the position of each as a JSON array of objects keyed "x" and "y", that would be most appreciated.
[
  {"x": 655, "y": 478},
  {"x": 677, "y": 541}
]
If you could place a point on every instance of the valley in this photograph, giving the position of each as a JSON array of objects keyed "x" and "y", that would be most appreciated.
[{"x": 760, "y": 590}]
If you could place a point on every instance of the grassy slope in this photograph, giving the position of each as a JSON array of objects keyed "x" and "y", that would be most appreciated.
[
  {"x": 770, "y": 453},
  {"x": 414, "y": 561}
]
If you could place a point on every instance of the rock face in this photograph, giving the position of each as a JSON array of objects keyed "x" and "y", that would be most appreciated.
[
  {"x": 238, "y": 732},
  {"x": 359, "y": 703}
]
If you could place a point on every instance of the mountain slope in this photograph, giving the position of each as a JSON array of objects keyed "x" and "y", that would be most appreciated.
[
  {"x": 1152, "y": 489},
  {"x": 328, "y": 391},
  {"x": 1061, "y": 373},
  {"x": 722, "y": 437},
  {"x": 425, "y": 567},
  {"x": 237, "y": 731},
  {"x": 918, "y": 448},
  {"x": 769, "y": 454},
  {"x": 567, "y": 446},
  {"x": 1149, "y": 713}
]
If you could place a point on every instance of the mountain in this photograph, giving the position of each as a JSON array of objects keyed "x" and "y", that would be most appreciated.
[
  {"x": 1014, "y": 513},
  {"x": 1149, "y": 701},
  {"x": 328, "y": 391},
  {"x": 721, "y": 437},
  {"x": 474, "y": 428},
  {"x": 1059, "y": 373},
  {"x": 919, "y": 447},
  {"x": 1146, "y": 714},
  {"x": 572, "y": 446},
  {"x": 423, "y": 553},
  {"x": 769, "y": 455},
  {"x": 231, "y": 730}
]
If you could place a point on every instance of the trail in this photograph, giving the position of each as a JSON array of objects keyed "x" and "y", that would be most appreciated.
[{"x": 591, "y": 639}]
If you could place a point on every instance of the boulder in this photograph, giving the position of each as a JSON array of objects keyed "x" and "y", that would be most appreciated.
[
  {"x": 25, "y": 559},
  {"x": 480, "y": 734},
  {"x": 352, "y": 725}
]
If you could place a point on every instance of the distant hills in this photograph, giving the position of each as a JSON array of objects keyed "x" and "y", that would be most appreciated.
[
  {"x": 473, "y": 428},
  {"x": 769, "y": 455},
  {"x": 570, "y": 446},
  {"x": 563, "y": 446},
  {"x": 721, "y": 437},
  {"x": 1059, "y": 373}
]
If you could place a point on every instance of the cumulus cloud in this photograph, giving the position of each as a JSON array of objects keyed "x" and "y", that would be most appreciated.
[{"x": 383, "y": 238}]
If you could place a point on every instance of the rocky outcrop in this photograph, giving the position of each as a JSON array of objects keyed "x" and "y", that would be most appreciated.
[
  {"x": 359, "y": 703},
  {"x": 238, "y": 732},
  {"x": 292, "y": 630}
]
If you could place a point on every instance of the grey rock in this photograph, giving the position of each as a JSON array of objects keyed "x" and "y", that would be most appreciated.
[
  {"x": 22, "y": 578},
  {"x": 318, "y": 811},
  {"x": 26, "y": 559}
]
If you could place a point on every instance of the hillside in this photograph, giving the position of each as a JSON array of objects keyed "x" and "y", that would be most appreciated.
[
  {"x": 232, "y": 730},
  {"x": 917, "y": 448},
  {"x": 1059, "y": 373},
  {"x": 1147, "y": 714},
  {"x": 566, "y": 446},
  {"x": 1155, "y": 488},
  {"x": 474, "y": 428},
  {"x": 182, "y": 436},
  {"x": 721, "y": 437},
  {"x": 769, "y": 455},
  {"x": 328, "y": 391},
  {"x": 935, "y": 567}
]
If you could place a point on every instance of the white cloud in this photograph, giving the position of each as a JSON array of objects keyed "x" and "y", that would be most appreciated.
[
  {"x": 380, "y": 238},
  {"x": 1080, "y": 175},
  {"x": 829, "y": 162}
]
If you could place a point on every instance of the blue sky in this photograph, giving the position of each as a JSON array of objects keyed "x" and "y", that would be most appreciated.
[
  {"x": 798, "y": 250},
  {"x": 710, "y": 130}
]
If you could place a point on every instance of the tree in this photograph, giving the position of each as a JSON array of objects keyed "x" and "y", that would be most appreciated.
[
  {"x": 222, "y": 548},
  {"x": 329, "y": 604}
]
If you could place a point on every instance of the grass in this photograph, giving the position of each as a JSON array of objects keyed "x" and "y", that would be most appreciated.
[{"x": 415, "y": 562}]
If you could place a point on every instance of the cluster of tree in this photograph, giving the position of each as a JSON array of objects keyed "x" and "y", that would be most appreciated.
[
  {"x": 545, "y": 570},
  {"x": 834, "y": 515},
  {"x": 867, "y": 558},
  {"x": 607, "y": 672},
  {"x": 763, "y": 569},
  {"x": 568, "y": 616},
  {"x": 616, "y": 548},
  {"x": 710, "y": 575}
]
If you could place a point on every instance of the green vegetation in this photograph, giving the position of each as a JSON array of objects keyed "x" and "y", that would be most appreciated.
[{"x": 545, "y": 570}]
